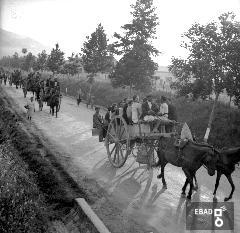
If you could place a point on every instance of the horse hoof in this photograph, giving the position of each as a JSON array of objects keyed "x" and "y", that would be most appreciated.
[
  {"x": 215, "y": 199},
  {"x": 164, "y": 186},
  {"x": 159, "y": 176},
  {"x": 183, "y": 195},
  {"x": 188, "y": 198},
  {"x": 195, "y": 188},
  {"x": 227, "y": 198}
]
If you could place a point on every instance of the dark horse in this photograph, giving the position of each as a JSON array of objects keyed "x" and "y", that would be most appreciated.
[
  {"x": 226, "y": 165},
  {"x": 54, "y": 101},
  {"x": 190, "y": 156}
]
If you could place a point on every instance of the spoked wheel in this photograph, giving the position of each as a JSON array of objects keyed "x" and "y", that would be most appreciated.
[{"x": 117, "y": 141}]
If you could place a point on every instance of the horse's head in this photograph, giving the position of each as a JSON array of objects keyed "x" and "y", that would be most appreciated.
[{"x": 210, "y": 160}]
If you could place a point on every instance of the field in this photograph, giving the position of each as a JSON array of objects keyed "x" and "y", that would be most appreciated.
[{"x": 226, "y": 124}]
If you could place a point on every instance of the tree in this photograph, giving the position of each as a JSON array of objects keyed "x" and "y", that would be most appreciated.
[
  {"x": 232, "y": 80},
  {"x": 190, "y": 78},
  {"x": 181, "y": 70},
  {"x": 24, "y": 50},
  {"x": 55, "y": 59},
  {"x": 15, "y": 61},
  {"x": 136, "y": 66},
  {"x": 95, "y": 52},
  {"x": 209, "y": 47},
  {"x": 28, "y": 62},
  {"x": 72, "y": 65},
  {"x": 133, "y": 70},
  {"x": 41, "y": 61}
]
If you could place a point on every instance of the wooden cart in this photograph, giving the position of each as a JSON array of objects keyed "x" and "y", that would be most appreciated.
[{"x": 123, "y": 140}]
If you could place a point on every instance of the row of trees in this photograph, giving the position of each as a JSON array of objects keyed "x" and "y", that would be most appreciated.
[
  {"x": 213, "y": 64},
  {"x": 134, "y": 69},
  {"x": 54, "y": 62}
]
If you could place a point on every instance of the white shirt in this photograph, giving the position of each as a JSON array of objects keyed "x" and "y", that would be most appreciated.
[
  {"x": 149, "y": 104},
  {"x": 120, "y": 111},
  {"x": 136, "y": 111},
  {"x": 164, "y": 110}
]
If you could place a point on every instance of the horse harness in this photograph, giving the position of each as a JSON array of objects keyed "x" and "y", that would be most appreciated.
[{"x": 181, "y": 144}]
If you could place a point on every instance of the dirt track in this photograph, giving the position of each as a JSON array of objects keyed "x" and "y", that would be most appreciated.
[{"x": 117, "y": 195}]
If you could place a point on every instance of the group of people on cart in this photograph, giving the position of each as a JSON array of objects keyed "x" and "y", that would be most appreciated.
[{"x": 151, "y": 110}]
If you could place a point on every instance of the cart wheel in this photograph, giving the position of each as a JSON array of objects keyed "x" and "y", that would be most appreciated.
[{"x": 117, "y": 141}]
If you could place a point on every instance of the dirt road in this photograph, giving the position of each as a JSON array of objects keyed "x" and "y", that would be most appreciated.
[{"x": 136, "y": 190}]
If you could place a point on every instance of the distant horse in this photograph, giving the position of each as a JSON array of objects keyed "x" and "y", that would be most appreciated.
[
  {"x": 16, "y": 78},
  {"x": 226, "y": 166},
  {"x": 54, "y": 102},
  {"x": 191, "y": 156}
]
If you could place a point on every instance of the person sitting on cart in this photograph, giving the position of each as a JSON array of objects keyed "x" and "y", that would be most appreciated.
[
  {"x": 114, "y": 110},
  {"x": 163, "y": 113},
  {"x": 136, "y": 109},
  {"x": 98, "y": 124},
  {"x": 107, "y": 117},
  {"x": 149, "y": 109},
  {"x": 127, "y": 112}
]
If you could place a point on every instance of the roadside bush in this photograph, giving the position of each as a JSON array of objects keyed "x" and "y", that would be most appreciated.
[
  {"x": 21, "y": 204},
  {"x": 225, "y": 130}
]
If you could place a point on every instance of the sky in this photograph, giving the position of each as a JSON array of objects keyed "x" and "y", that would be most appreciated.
[{"x": 68, "y": 22}]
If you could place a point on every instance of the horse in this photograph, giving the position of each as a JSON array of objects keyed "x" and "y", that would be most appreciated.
[
  {"x": 226, "y": 166},
  {"x": 54, "y": 101},
  {"x": 190, "y": 156},
  {"x": 16, "y": 78}
]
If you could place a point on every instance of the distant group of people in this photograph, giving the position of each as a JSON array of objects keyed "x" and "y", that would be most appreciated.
[
  {"x": 4, "y": 76},
  {"x": 133, "y": 111}
]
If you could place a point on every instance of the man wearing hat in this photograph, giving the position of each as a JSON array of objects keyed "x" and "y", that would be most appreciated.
[
  {"x": 149, "y": 108},
  {"x": 98, "y": 123}
]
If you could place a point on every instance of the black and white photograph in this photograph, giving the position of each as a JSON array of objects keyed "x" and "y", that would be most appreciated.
[{"x": 119, "y": 116}]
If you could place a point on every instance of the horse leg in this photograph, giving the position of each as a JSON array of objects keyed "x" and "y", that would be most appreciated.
[
  {"x": 217, "y": 183},
  {"x": 195, "y": 187},
  {"x": 162, "y": 175},
  {"x": 56, "y": 111},
  {"x": 229, "y": 177},
  {"x": 189, "y": 176},
  {"x": 53, "y": 111},
  {"x": 162, "y": 162},
  {"x": 183, "y": 194},
  {"x": 159, "y": 163}
]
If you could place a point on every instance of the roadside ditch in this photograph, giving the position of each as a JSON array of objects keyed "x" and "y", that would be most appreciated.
[
  {"x": 35, "y": 179},
  {"x": 37, "y": 195}
]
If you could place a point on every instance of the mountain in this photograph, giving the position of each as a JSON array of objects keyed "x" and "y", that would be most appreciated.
[{"x": 11, "y": 43}]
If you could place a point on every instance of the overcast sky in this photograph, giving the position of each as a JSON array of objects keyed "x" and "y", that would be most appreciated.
[{"x": 68, "y": 22}]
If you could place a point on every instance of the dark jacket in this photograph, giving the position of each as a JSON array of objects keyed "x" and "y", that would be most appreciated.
[
  {"x": 125, "y": 113},
  {"x": 107, "y": 117},
  {"x": 172, "y": 112},
  {"x": 97, "y": 121},
  {"x": 146, "y": 109}
]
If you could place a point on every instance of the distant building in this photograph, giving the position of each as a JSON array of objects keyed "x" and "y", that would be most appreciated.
[{"x": 162, "y": 79}]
